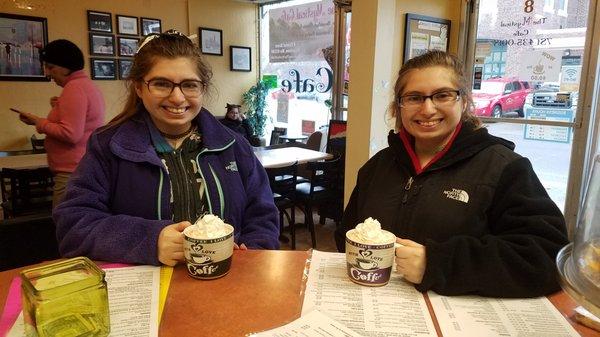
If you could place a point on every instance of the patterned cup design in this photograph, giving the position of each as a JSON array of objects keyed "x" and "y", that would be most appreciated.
[
  {"x": 208, "y": 259},
  {"x": 369, "y": 264}
]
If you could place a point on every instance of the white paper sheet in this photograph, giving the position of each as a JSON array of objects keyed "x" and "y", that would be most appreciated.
[
  {"x": 481, "y": 316},
  {"x": 396, "y": 309},
  {"x": 133, "y": 301},
  {"x": 313, "y": 324}
]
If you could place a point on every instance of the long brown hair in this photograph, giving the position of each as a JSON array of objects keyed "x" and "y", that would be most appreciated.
[
  {"x": 169, "y": 45},
  {"x": 432, "y": 59}
]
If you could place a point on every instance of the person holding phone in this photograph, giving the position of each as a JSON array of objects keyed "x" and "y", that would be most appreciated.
[{"x": 77, "y": 112}]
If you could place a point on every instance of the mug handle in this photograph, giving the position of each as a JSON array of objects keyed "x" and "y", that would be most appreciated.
[{"x": 396, "y": 245}]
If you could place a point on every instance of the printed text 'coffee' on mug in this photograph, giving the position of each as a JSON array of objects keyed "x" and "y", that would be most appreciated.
[
  {"x": 369, "y": 264},
  {"x": 208, "y": 259}
]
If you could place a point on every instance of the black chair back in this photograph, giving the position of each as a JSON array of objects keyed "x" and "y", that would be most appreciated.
[
  {"x": 27, "y": 240},
  {"x": 283, "y": 184},
  {"x": 314, "y": 141},
  {"x": 324, "y": 178},
  {"x": 26, "y": 191},
  {"x": 283, "y": 180},
  {"x": 323, "y": 190},
  {"x": 275, "y": 135}
]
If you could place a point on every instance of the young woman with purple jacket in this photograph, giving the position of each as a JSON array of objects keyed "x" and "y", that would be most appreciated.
[{"x": 162, "y": 163}]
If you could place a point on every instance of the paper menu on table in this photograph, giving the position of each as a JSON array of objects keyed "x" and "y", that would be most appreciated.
[
  {"x": 133, "y": 296},
  {"x": 396, "y": 309},
  {"x": 460, "y": 316},
  {"x": 313, "y": 324}
]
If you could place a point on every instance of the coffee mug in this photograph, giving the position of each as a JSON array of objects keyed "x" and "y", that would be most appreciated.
[
  {"x": 208, "y": 259},
  {"x": 370, "y": 264}
]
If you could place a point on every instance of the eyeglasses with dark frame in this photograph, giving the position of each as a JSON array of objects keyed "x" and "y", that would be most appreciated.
[
  {"x": 162, "y": 88},
  {"x": 439, "y": 99}
]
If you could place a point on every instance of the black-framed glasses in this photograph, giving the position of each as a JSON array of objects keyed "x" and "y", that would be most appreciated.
[
  {"x": 439, "y": 99},
  {"x": 162, "y": 88}
]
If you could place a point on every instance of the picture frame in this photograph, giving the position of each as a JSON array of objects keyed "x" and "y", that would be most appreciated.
[
  {"x": 127, "y": 46},
  {"x": 99, "y": 21},
  {"x": 127, "y": 25},
  {"x": 124, "y": 67},
  {"x": 211, "y": 41},
  {"x": 424, "y": 33},
  {"x": 102, "y": 44},
  {"x": 103, "y": 69},
  {"x": 20, "y": 63},
  {"x": 150, "y": 26},
  {"x": 241, "y": 58}
]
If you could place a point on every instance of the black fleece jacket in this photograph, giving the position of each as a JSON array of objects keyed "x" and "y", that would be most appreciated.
[{"x": 487, "y": 223}]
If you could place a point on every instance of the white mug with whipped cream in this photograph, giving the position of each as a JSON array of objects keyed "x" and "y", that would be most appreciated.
[
  {"x": 369, "y": 253},
  {"x": 208, "y": 248}
]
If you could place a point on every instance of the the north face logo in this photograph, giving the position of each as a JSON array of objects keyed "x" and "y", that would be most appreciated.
[
  {"x": 232, "y": 166},
  {"x": 457, "y": 194}
]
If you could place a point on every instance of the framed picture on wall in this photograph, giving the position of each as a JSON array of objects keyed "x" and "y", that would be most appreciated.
[
  {"x": 150, "y": 26},
  {"x": 20, "y": 45},
  {"x": 211, "y": 41},
  {"x": 99, "y": 21},
  {"x": 124, "y": 67},
  {"x": 103, "y": 69},
  {"x": 240, "y": 58},
  {"x": 102, "y": 44},
  {"x": 425, "y": 33},
  {"x": 127, "y": 46},
  {"x": 127, "y": 25}
]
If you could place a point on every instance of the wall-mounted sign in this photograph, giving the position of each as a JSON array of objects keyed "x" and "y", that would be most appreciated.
[
  {"x": 299, "y": 33},
  {"x": 424, "y": 33},
  {"x": 540, "y": 65},
  {"x": 561, "y": 134},
  {"x": 569, "y": 78}
]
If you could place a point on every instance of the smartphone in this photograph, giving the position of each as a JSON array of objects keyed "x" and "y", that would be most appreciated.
[{"x": 15, "y": 110}]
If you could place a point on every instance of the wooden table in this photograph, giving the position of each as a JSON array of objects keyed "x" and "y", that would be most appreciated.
[
  {"x": 262, "y": 291},
  {"x": 287, "y": 155},
  {"x": 27, "y": 161}
]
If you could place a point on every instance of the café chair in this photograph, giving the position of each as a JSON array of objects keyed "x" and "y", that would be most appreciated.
[
  {"x": 314, "y": 141},
  {"x": 322, "y": 189},
  {"x": 275, "y": 135},
  {"x": 283, "y": 184},
  {"x": 27, "y": 240},
  {"x": 26, "y": 191}
]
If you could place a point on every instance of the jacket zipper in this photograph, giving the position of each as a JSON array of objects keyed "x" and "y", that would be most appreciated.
[
  {"x": 407, "y": 189},
  {"x": 158, "y": 201},
  {"x": 186, "y": 185},
  {"x": 210, "y": 208},
  {"x": 219, "y": 189}
]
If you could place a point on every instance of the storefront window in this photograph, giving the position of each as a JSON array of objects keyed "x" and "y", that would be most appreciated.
[
  {"x": 540, "y": 44},
  {"x": 296, "y": 42}
]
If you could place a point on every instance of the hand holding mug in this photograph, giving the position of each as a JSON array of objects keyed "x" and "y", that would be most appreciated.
[
  {"x": 411, "y": 260},
  {"x": 170, "y": 243}
]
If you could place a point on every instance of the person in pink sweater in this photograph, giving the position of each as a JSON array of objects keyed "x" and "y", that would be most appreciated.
[{"x": 74, "y": 115}]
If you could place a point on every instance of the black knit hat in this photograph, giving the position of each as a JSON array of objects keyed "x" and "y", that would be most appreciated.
[{"x": 63, "y": 53}]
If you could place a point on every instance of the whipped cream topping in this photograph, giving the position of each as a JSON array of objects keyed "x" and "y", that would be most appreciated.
[
  {"x": 370, "y": 231},
  {"x": 208, "y": 227}
]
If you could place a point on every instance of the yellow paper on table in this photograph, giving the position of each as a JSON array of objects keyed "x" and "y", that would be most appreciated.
[{"x": 165, "y": 280}]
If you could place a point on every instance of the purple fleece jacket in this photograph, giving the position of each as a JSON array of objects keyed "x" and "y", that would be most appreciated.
[{"x": 118, "y": 199}]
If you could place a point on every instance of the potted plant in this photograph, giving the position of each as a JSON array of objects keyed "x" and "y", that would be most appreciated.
[{"x": 255, "y": 104}]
